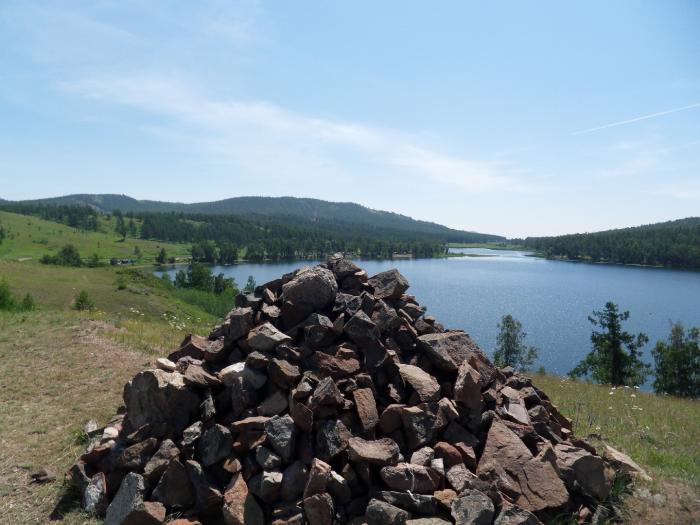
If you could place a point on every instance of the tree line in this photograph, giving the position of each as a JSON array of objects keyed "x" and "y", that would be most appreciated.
[
  {"x": 73, "y": 215},
  {"x": 616, "y": 355},
  {"x": 673, "y": 244}
]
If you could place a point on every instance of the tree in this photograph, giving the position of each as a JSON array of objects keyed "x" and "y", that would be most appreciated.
[
  {"x": 510, "y": 349},
  {"x": 162, "y": 256},
  {"x": 7, "y": 302},
  {"x": 200, "y": 277},
  {"x": 132, "y": 229},
  {"x": 2, "y": 234},
  {"x": 93, "y": 261},
  {"x": 222, "y": 284},
  {"x": 120, "y": 227},
  {"x": 677, "y": 362},
  {"x": 615, "y": 358},
  {"x": 137, "y": 253},
  {"x": 83, "y": 301},
  {"x": 28, "y": 303},
  {"x": 250, "y": 284}
]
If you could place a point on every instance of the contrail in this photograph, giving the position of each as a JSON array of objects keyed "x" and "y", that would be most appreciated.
[{"x": 636, "y": 119}]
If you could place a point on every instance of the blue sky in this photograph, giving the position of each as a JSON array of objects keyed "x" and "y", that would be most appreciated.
[{"x": 506, "y": 117}]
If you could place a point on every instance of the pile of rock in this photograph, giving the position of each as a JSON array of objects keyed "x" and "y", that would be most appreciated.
[{"x": 329, "y": 397}]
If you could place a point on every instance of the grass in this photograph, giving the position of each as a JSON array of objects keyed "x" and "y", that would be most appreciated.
[
  {"x": 659, "y": 432},
  {"x": 30, "y": 238}
]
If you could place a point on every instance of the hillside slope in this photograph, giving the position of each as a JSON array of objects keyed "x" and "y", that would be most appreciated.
[
  {"x": 302, "y": 208},
  {"x": 672, "y": 243}
]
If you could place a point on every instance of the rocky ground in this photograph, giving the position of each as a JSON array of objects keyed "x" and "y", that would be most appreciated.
[{"x": 327, "y": 396}]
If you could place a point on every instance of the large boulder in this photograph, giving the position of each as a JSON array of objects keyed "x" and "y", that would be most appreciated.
[
  {"x": 448, "y": 350},
  {"x": 536, "y": 482},
  {"x": 156, "y": 396},
  {"x": 312, "y": 288},
  {"x": 582, "y": 471},
  {"x": 389, "y": 284}
]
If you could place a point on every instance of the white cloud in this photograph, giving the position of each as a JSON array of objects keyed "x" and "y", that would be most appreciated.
[
  {"x": 687, "y": 190},
  {"x": 266, "y": 139}
]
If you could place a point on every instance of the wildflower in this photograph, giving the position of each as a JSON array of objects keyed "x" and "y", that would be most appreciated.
[
  {"x": 609, "y": 408},
  {"x": 611, "y": 392},
  {"x": 633, "y": 395}
]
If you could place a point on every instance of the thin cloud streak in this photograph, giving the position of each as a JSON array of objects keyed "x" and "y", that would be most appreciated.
[{"x": 636, "y": 119}]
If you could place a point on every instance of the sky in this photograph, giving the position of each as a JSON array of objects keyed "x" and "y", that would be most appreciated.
[{"x": 509, "y": 117}]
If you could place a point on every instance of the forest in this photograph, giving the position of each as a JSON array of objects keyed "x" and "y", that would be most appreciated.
[{"x": 673, "y": 244}]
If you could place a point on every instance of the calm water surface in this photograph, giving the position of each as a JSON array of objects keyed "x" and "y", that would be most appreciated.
[{"x": 552, "y": 299}]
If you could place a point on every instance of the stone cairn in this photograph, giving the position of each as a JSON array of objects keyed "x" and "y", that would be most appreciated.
[{"x": 330, "y": 397}]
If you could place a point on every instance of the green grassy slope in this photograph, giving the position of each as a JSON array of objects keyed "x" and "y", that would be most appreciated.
[{"x": 31, "y": 237}]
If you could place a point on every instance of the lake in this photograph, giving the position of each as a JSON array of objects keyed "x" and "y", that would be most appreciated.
[{"x": 552, "y": 299}]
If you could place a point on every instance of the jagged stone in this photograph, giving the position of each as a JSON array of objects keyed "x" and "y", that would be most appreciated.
[
  {"x": 174, "y": 490},
  {"x": 366, "y": 408},
  {"x": 582, "y": 470},
  {"x": 312, "y": 288},
  {"x": 319, "y": 509},
  {"x": 280, "y": 431},
  {"x": 382, "y": 451},
  {"x": 214, "y": 445},
  {"x": 406, "y": 476},
  {"x": 383, "y": 513},
  {"x": 266, "y": 337},
  {"x": 388, "y": 285},
  {"x": 472, "y": 507},
  {"x": 425, "y": 385},
  {"x": 447, "y": 350}
]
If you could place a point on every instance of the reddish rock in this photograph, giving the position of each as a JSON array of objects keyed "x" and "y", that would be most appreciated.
[
  {"x": 366, "y": 408},
  {"x": 382, "y": 451}
]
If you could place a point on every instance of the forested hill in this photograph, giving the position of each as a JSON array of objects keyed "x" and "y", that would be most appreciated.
[
  {"x": 308, "y": 210},
  {"x": 673, "y": 243}
]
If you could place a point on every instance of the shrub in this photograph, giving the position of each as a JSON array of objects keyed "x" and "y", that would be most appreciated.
[
  {"x": 28, "y": 303},
  {"x": 7, "y": 302},
  {"x": 677, "y": 362},
  {"x": 83, "y": 301},
  {"x": 68, "y": 256}
]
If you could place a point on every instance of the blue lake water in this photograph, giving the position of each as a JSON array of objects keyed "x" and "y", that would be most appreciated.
[{"x": 552, "y": 299}]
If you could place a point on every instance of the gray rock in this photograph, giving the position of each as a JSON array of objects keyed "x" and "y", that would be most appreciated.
[
  {"x": 95, "y": 500},
  {"x": 266, "y": 458},
  {"x": 128, "y": 499},
  {"x": 361, "y": 330},
  {"x": 418, "y": 425},
  {"x": 512, "y": 515},
  {"x": 240, "y": 321},
  {"x": 331, "y": 438},
  {"x": 327, "y": 393},
  {"x": 294, "y": 480},
  {"x": 175, "y": 490},
  {"x": 423, "y": 456},
  {"x": 406, "y": 476},
  {"x": 472, "y": 507},
  {"x": 417, "y": 503},
  {"x": 281, "y": 432},
  {"x": 318, "y": 331},
  {"x": 383, "y": 513},
  {"x": 191, "y": 434},
  {"x": 214, "y": 445}
]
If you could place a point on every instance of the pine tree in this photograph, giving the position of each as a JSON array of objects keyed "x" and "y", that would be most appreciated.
[{"x": 510, "y": 348}]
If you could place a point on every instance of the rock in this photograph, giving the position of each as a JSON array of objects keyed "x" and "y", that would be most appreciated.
[
  {"x": 43, "y": 475},
  {"x": 192, "y": 346},
  {"x": 155, "y": 396},
  {"x": 536, "y": 481},
  {"x": 312, "y": 288},
  {"x": 417, "y": 503},
  {"x": 214, "y": 445},
  {"x": 160, "y": 460},
  {"x": 390, "y": 419},
  {"x": 318, "y": 331},
  {"x": 512, "y": 515},
  {"x": 468, "y": 386},
  {"x": 342, "y": 364},
  {"x": 266, "y": 338},
  {"x": 366, "y": 408},
  {"x": 624, "y": 463},
  {"x": 267, "y": 459},
  {"x": 339, "y": 488},
  {"x": 382, "y": 451},
  {"x": 197, "y": 376},
  {"x": 319, "y": 509},
  {"x": 382, "y": 513},
  {"x": 342, "y": 267},
  {"x": 581, "y": 469},
  {"x": 280, "y": 432},
  {"x": 427, "y": 521},
  {"x": 294, "y": 480},
  {"x": 240, "y": 323},
  {"x": 207, "y": 496},
  {"x": 127, "y": 501},
  {"x": 459, "y": 477},
  {"x": 331, "y": 438},
  {"x": 136, "y": 456},
  {"x": 425, "y": 385},
  {"x": 174, "y": 490},
  {"x": 240, "y": 507},
  {"x": 448, "y": 350},
  {"x": 191, "y": 434},
  {"x": 450, "y": 454},
  {"x": 472, "y": 508},
  {"x": 388, "y": 285},
  {"x": 418, "y": 426},
  {"x": 95, "y": 500},
  {"x": 165, "y": 364},
  {"x": 406, "y": 476},
  {"x": 283, "y": 373},
  {"x": 361, "y": 330},
  {"x": 318, "y": 479},
  {"x": 274, "y": 404},
  {"x": 303, "y": 417},
  {"x": 266, "y": 485},
  {"x": 327, "y": 393}
]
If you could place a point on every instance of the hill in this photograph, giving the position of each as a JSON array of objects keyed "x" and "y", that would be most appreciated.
[
  {"x": 311, "y": 210},
  {"x": 672, "y": 243}
]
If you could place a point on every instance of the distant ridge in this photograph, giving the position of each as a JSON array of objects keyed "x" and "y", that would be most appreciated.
[{"x": 303, "y": 208}]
